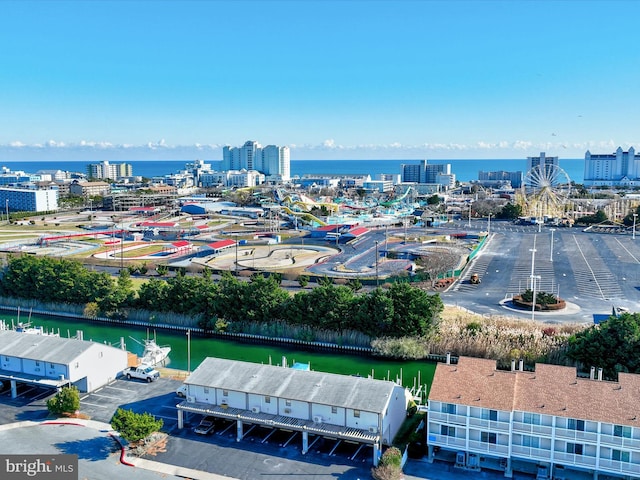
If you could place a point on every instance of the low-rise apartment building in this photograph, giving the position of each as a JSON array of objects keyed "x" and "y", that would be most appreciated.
[
  {"x": 547, "y": 421},
  {"x": 354, "y": 409}
]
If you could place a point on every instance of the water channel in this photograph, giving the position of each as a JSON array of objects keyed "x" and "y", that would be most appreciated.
[{"x": 412, "y": 373}]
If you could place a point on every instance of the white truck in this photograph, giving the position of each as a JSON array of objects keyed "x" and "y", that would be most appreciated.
[{"x": 142, "y": 372}]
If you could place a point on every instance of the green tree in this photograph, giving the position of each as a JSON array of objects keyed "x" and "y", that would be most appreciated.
[
  {"x": 67, "y": 400},
  {"x": 134, "y": 426},
  {"x": 162, "y": 270},
  {"x": 354, "y": 284},
  {"x": 303, "y": 281},
  {"x": 510, "y": 211},
  {"x": 433, "y": 200},
  {"x": 374, "y": 313},
  {"x": 613, "y": 345},
  {"x": 414, "y": 310}
]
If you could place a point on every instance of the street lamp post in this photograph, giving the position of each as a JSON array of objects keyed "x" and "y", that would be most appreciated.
[
  {"x": 469, "y": 215},
  {"x": 377, "y": 281},
  {"x": 633, "y": 236},
  {"x": 7, "y": 207},
  {"x": 489, "y": 225},
  {"x": 551, "y": 252},
  {"x": 533, "y": 300},
  {"x": 236, "y": 269},
  {"x": 189, "y": 351}
]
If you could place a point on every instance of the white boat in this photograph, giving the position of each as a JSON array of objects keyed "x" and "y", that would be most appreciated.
[{"x": 154, "y": 354}]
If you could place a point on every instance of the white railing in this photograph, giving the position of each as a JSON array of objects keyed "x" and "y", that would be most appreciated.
[
  {"x": 573, "y": 459},
  {"x": 448, "y": 418},
  {"x": 445, "y": 440},
  {"x": 615, "y": 441},
  {"x": 488, "y": 447},
  {"x": 489, "y": 424},
  {"x": 531, "y": 452},
  {"x": 620, "y": 467},
  {"x": 521, "y": 427},
  {"x": 569, "y": 434}
]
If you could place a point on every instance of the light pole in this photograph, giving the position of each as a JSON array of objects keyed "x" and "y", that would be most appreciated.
[
  {"x": 189, "y": 351},
  {"x": 533, "y": 258},
  {"x": 633, "y": 236},
  {"x": 551, "y": 253},
  {"x": 7, "y": 207},
  {"x": 469, "y": 215},
  {"x": 377, "y": 281},
  {"x": 236, "y": 269},
  {"x": 489, "y": 225},
  {"x": 533, "y": 300}
]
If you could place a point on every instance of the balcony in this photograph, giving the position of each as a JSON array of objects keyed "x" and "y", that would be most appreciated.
[
  {"x": 446, "y": 441},
  {"x": 483, "y": 447},
  {"x": 530, "y": 452},
  {"x": 489, "y": 424},
  {"x": 448, "y": 418},
  {"x": 521, "y": 427},
  {"x": 573, "y": 459},
  {"x": 622, "y": 442},
  {"x": 620, "y": 467},
  {"x": 568, "y": 434}
]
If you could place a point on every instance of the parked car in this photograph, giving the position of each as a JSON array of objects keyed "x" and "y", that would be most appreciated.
[
  {"x": 182, "y": 391},
  {"x": 206, "y": 426}
]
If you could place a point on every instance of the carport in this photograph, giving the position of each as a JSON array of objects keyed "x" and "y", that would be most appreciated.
[
  {"x": 306, "y": 427},
  {"x": 14, "y": 379}
]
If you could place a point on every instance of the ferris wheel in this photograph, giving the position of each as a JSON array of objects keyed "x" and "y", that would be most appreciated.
[{"x": 547, "y": 190}]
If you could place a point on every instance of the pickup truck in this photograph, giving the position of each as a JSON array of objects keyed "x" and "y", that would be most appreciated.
[{"x": 142, "y": 372}]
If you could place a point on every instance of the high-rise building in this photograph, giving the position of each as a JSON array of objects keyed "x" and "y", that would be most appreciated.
[
  {"x": 424, "y": 172},
  {"x": 499, "y": 178},
  {"x": 271, "y": 160},
  {"x": 618, "y": 168},
  {"x": 106, "y": 170}
]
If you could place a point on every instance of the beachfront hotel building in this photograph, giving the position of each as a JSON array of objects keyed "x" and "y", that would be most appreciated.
[
  {"x": 113, "y": 171},
  {"x": 315, "y": 404},
  {"x": 614, "y": 169},
  {"x": 427, "y": 173},
  {"x": 548, "y": 421},
  {"x": 274, "y": 162},
  {"x": 500, "y": 178},
  {"x": 28, "y": 198}
]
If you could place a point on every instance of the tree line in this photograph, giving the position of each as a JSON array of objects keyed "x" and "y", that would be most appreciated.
[{"x": 401, "y": 310}]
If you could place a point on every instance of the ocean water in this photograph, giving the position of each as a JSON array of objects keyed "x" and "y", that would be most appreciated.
[{"x": 465, "y": 170}]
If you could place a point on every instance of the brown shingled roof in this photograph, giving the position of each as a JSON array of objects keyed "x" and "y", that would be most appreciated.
[{"x": 550, "y": 390}]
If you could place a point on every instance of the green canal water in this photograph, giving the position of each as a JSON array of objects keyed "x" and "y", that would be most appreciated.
[{"x": 412, "y": 373}]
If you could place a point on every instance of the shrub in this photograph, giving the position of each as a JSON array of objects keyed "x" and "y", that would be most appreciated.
[
  {"x": 390, "y": 467},
  {"x": 134, "y": 426},
  {"x": 66, "y": 400}
]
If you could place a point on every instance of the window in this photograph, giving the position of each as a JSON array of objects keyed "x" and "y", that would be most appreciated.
[
  {"x": 531, "y": 418},
  {"x": 334, "y": 409},
  {"x": 621, "y": 431},
  {"x": 267, "y": 399},
  {"x": 575, "y": 448},
  {"x": 573, "y": 424},
  {"x": 488, "y": 437},
  {"x": 447, "y": 431},
  {"x": 533, "y": 442},
  {"x": 225, "y": 393},
  {"x": 489, "y": 414},
  {"x": 287, "y": 403},
  {"x": 356, "y": 413},
  {"x": 620, "y": 456},
  {"x": 449, "y": 408}
]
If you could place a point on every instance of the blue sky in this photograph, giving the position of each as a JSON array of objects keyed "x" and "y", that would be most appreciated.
[{"x": 120, "y": 80}]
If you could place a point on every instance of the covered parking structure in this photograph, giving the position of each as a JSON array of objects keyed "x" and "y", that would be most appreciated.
[{"x": 355, "y": 409}]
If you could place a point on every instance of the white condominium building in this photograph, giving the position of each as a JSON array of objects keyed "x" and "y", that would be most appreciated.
[
  {"x": 615, "y": 169},
  {"x": 547, "y": 421},
  {"x": 107, "y": 170},
  {"x": 273, "y": 161}
]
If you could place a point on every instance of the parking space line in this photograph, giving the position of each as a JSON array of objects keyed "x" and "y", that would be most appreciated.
[
  {"x": 104, "y": 396},
  {"x": 268, "y": 435},
  {"x": 353, "y": 457},
  {"x": 290, "y": 438},
  {"x": 94, "y": 405},
  {"x": 335, "y": 447},
  {"x": 121, "y": 389}
]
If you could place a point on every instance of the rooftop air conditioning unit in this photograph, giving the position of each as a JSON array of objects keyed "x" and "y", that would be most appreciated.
[
  {"x": 317, "y": 419},
  {"x": 255, "y": 409},
  {"x": 373, "y": 429},
  {"x": 191, "y": 399}
]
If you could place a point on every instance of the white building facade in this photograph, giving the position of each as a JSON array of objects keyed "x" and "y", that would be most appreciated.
[
  {"x": 29, "y": 199},
  {"x": 355, "y": 409},
  {"x": 273, "y": 161},
  {"x": 548, "y": 421},
  {"x": 616, "y": 169},
  {"x": 53, "y": 361}
]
